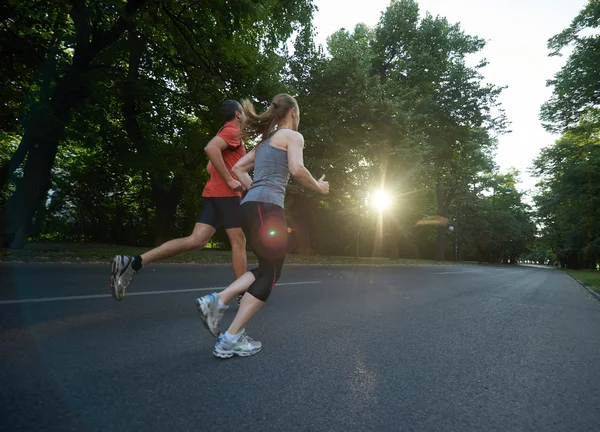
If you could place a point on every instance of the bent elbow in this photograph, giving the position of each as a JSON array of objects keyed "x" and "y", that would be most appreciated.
[
  {"x": 295, "y": 170},
  {"x": 210, "y": 148}
]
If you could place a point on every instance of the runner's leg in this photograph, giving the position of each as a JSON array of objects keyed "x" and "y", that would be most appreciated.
[
  {"x": 124, "y": 268},
  {"x": 230, "y": 213},
  {"x": 238, "y": 251},
  {"x": 265, "y": 227},
  {"x": 197, "y": 240}
]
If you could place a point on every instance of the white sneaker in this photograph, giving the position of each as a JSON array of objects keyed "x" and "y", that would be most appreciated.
[
  {"x": 121, "y": 276},
  {"x": 245, "y": 346},
  {"x": 208, "y": 307}
]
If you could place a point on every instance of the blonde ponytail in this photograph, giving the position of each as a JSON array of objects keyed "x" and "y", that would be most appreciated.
[{"x": 265, "y": 124}]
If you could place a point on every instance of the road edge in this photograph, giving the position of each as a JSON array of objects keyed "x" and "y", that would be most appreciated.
[
  {"x": 221, "y": 264},
  {"x": 590, "y": 290},
  {"x": 390, "y": 263}
]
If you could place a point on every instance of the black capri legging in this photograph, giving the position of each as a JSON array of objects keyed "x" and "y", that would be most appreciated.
[{"x": 266, "y": 233}]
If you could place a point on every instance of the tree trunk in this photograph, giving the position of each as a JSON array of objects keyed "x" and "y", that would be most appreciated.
[
  {"x": 442, "y": 230},
  {"x": 590, "y": 262},
  {"x": 394, "y": 253},
  {"x": 304, "y": 246},
  {"x": 440, "y": 247},
  {"x": 165, "y": 198},
  {"x": 393, "y": 239},
  {"x": 302, "y": 219},
  {"x": 572, "y": 261},
  {"x": 165, "y": 203},
  {"x": 589, "y": 258},
  {"x": 43, "y": 82},
  {"x": 164, "y": 229},
  {"x": 11, "y": 165},
  {"x": 31, "y": 191},
  {"x": 46, "y": 128}
]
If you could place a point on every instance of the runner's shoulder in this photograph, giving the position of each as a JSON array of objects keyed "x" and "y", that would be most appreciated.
[
  {"x": 292, "y": 135},
  {"x": 229, "y": 131}
]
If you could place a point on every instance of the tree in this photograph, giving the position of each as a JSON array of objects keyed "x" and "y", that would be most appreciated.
[
  {"x": 392, "y": 107},
  {"x": 569, "y": 170},
  {"x": 203, "y": 59},
  {"x": 447, "y": 103},
  {"x": 569, "y": 199},
  {"x": 395, "y": 107},
  {"x": 349, "y": 125},
  {"x": 62, "y": 91},
  {"x": 576, "y": 87}
]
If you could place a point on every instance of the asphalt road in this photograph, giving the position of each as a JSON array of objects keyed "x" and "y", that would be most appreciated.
[{"x": 431, "y": 348}]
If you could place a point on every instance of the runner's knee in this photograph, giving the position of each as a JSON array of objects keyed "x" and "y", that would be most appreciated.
[
  {"x": 261, "y": 288},
  {"x": 264, "y": 282},
  {"x": 197, "y": 240},
  {"x": 200, "y": 236},
  {"x": 238, "y": 240}
]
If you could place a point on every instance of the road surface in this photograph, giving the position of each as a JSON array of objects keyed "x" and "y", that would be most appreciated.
[{"x": 414, "y": 348}]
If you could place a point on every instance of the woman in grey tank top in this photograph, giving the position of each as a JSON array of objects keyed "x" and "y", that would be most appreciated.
[{"x": 278, "y": 155}]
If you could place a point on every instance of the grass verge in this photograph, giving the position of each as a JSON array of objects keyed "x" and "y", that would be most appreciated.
[
  {"x": 100, "y": 253},
  {"x": 589, "y": 277}
]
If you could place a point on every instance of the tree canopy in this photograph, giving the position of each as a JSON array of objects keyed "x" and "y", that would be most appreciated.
[
  {"x": 568, "y": 202},
  {"x": 109, "y": 104}
]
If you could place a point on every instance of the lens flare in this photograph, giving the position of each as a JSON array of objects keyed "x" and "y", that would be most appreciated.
[
  {"x": 433, "y": 220},
  {"x": 381, "y": 200},
  {"x": 272, "y": 239}
]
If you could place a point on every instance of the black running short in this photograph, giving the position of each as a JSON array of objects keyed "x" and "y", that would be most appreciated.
[{"x": 221, "y": 211}]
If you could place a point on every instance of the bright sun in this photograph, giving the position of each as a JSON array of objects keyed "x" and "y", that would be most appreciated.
[{"x": 381, "y": 200}]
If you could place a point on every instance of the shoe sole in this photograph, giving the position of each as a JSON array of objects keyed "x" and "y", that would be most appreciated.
[
  {"x": 227, "y": 355},
  {"x": 203, "y": 316},
  {"x": 112, "y": 285}
]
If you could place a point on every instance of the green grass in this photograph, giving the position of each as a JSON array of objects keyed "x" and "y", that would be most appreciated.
[
  {"x": 589, "y": 277},
  {"x": 99, "y": 253}
]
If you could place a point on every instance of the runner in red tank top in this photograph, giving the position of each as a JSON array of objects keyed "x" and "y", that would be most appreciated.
[{"x": 221, "y": 206}]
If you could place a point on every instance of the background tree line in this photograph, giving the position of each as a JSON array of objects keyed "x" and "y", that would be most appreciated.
[
  {"x": 108, "y": 106},
  {"x": 568, "y": 202}
]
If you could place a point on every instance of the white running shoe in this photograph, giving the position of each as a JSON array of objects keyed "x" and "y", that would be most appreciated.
[
  {"x": 245, "y": 346},
  {"x": 121, "y": 276},
  {"x": 208, "y": 307}
]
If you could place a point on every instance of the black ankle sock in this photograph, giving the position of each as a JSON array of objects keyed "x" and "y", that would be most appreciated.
[{"x": 137, "y": 263}]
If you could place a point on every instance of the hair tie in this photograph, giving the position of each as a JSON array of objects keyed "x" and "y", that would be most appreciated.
[{"x": 275, "y": 105}]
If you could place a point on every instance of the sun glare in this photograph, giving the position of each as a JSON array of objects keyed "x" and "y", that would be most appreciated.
[{"x": 381, "y": 200}]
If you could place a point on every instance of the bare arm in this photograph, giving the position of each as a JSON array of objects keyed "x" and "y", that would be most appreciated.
[
  {"x": 241, "y": 168},
  {"x": 214, "y": 150},
  {"x": 298, "y": 170}
]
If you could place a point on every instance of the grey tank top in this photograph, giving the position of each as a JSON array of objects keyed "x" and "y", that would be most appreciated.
[{"x": 271, "y": 175}]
